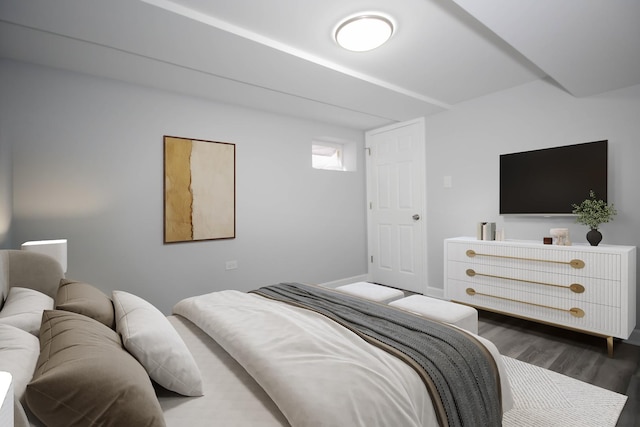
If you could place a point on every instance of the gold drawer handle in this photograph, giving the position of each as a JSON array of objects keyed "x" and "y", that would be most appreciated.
[
  {"x": 575, "y": 263},
  {"x": 575, "y": 287},
  {"x": 575, "y": 312}
]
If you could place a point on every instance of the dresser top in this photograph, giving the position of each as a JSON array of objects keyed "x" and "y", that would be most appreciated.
[{"x": 536, "y": 244}]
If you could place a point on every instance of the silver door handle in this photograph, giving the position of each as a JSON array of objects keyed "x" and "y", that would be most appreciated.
[{"x": 416, "y": 217}]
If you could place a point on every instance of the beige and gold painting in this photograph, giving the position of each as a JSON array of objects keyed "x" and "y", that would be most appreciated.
[{"x": 199, "y": 190}]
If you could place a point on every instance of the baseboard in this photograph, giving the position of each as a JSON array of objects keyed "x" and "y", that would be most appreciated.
[
  {"x": 340, "y": 282},
  {"x": 435, "y": 292}
]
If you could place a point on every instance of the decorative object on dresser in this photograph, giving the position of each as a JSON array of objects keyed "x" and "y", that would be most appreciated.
[
  {"x": 560, "y": 236},
  {"x": 486, "y": 231},
  {"x": 592, "y": 212},
  {"x": 583, "y": 288}
]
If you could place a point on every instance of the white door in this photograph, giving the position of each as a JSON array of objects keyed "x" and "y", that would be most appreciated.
[{"x": 396, "y": 212}]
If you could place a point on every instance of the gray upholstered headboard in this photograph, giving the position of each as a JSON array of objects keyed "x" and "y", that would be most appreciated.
[
  {"x": 29, "y": 270},
  {"x": 4, "y": 275}
]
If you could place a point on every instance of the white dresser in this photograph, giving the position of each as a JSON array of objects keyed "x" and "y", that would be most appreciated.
[{"x": 591, "y": 289}]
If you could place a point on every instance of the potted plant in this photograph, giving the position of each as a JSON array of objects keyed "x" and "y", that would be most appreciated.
[{"x": 592, "y": 212}]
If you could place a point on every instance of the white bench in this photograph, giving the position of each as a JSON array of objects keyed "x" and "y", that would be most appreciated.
[
  {"x": 371, "y": 292},
  {"x": 463, "y": 316}
]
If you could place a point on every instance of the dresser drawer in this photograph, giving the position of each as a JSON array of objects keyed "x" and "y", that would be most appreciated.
[
  {"x": 548, "y": 258},
  {"x": 565, "y": 286},
  {"x": 586, "y": 316}
]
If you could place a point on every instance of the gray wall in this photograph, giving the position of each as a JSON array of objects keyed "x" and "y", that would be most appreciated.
[
  {"x": 87, "y": 160},
  {"x": 88, "y": 166},
  {"x": 465, "y": 143},
  {"x": 6, "y": 202}
]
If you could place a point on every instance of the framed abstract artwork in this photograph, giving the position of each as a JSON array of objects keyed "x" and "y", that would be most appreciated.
[{"x": 199, "y": 190}]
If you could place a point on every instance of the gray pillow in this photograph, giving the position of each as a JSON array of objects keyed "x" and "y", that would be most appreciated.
[
  {"x": 85, "y": 299},
  {"x": 85, "y": 377}
]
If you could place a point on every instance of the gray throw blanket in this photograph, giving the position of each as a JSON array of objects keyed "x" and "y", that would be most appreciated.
[{"x": 460, "y": 374}]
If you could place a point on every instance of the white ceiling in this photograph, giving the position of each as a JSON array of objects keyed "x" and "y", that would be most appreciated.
[{"x": 280, "y": 56}]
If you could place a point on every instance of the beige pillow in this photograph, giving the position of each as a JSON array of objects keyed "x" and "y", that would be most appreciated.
[
  {"x": 84, "y": 377},
  {"x": 85, "y": 299},
  {"x": 23, "y": 309},
  {"x": 148, "y": 335}
]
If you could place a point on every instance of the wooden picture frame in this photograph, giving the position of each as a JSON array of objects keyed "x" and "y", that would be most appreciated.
[{"x": 199, "y": 190}]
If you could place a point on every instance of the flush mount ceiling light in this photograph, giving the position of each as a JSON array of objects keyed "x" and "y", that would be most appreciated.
[{"x": 364, "y": 32}]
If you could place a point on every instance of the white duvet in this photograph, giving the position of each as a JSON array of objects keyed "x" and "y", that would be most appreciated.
[{"x": 317, "y": 372}]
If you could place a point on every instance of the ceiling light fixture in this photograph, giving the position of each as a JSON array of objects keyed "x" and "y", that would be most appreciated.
[{"x": 364, "y": 32}]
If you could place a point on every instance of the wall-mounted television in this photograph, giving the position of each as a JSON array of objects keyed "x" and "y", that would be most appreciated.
[{"x": 549, "y": 181}]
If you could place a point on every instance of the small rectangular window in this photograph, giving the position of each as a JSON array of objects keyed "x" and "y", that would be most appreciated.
[{"x": 327, "y": 155}]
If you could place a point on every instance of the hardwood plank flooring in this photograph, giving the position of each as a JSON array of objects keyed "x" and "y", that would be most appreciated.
[{"x": 573, "y": 354}]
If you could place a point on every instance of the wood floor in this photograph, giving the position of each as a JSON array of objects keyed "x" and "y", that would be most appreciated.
[{"x": 573, "y": 354}]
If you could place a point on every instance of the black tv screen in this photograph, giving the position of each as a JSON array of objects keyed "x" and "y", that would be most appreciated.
[{"x": 549, "y": 181}]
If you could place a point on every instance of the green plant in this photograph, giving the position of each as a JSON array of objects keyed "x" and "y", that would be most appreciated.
[{"x": 592, "y": 212}]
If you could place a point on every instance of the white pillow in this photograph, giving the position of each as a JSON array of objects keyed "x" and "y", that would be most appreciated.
[
  {"x": 19, "y": 351},
  {"x": 150, "y": 338},
  {"x": 23, "y": 309}
]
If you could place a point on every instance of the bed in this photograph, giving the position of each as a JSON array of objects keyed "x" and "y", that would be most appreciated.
[
  {"x": 327, "y": 404},
  {"x": 265, "y": 358}
]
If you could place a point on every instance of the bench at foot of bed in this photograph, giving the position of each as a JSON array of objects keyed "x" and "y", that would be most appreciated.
[
  {"x": 371, "y": 292},
  {"x": 463, "y": 316}
]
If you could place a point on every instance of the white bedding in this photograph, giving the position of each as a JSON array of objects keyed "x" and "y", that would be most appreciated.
[
  {"x": 303, "y": 360},
  {"x": 231, "y": 396}
]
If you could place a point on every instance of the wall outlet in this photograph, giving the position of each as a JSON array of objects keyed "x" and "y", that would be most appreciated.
[
  {"x": 447, "y": 181},
  {"x": 231, "y": 265}
]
